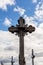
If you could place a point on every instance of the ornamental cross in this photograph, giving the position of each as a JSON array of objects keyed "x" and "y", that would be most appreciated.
[{"x": 21, "y": 30}]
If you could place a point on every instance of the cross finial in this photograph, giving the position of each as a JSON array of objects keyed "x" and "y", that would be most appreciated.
[{"x": 21, "y": 21}]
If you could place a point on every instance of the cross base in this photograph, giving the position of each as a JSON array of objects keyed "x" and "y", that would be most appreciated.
[{"x": 22, "y": 60}]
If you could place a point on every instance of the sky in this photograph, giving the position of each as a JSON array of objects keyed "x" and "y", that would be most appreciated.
[
  {"x": 11, "y": 10},
  {"x": 32, "y": 12}
]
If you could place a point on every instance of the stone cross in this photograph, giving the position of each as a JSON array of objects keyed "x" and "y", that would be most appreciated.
[
  {"x": 33, "y": 56},
  {"x": 21, "y": 29}
]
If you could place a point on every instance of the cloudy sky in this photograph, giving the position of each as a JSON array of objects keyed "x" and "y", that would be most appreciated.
[{"x": 32, "y": 12}]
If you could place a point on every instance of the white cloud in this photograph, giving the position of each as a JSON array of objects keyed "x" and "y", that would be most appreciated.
[
  {"x": 7, "y": 22},
  {"x": 34, "y": 1},
  {"x": 20, "y": 10},
  {"x": 41, "y": 25},
  {"x": 4, "y": 3},
  {"x": 39, "y": 11},
  {"x": 30, "y": 20},
  {"x": 9, "y": 44},
  {"x": 38, "y": 14}
]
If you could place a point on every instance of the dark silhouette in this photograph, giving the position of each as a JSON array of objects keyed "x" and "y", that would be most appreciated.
[
  {"x": 33, "y": 56},
  {"x": 21, "y": 29},
  {"x": 12, "y": 60},
  {"x": 1, "y": 63}
]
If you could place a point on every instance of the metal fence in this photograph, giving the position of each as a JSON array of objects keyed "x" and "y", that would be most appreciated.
[{"x": 13, "y": 62}]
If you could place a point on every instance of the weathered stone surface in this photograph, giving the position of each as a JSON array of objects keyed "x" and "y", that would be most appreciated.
[{"x": 21, "y": 29}]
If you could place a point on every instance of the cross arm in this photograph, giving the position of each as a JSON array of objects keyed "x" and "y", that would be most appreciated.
[
  {"x": 13, "y": 29},
  {"x": 30, "y": 29}
]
